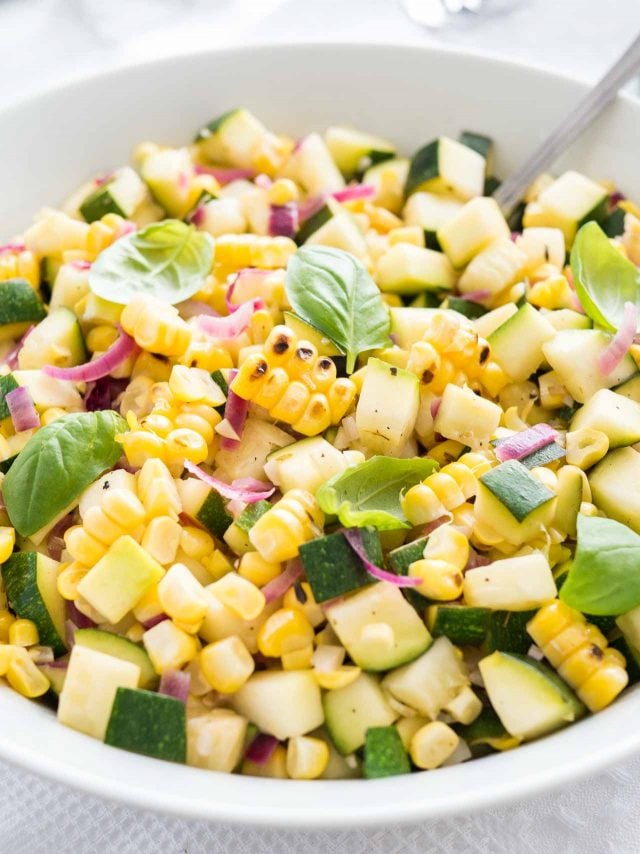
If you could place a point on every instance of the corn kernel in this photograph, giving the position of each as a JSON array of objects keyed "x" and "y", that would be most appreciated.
[
  {"x": 240, "y": 595},
  {"x": 196, "y": 542},
  {"x": 257, "y": 570},
  {"x": 24, "y": 676},
  {"x": 169, "y": 647},
  {"x": 100, "y": 338},
  {"x": 586, "y": 447},
  {"x": 7, "y": 542},
  {"x": 298, "y": 659},
  {"x": 307, "y": 757},
  {"x": 275, "y": 767},
  {"x": 217, "y": 564},
  {"x": 432, "y": 745},
  {"x": 69, "y": 576},
  {"x": 285, "y": 631},
  {"x": 339, "y": 678},
  {"x": 23, "y": 633},
  {"x": 603, "y": 686},
  {"x": 465, "y": 706},
  {"x": 6, "y": 621},
  {"x": 226, "y": 664},
  {"x": 182, "y": 597},
  {"x": 161, "y": 539},
  {"x": 300, "y": 598}
]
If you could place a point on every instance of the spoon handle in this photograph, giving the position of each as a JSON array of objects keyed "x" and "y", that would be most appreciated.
[{"x": 511, "y": 191}]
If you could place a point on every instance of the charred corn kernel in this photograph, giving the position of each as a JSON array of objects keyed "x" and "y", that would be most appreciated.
[
  {"x": 23, "y": 633},
  {"x": 465, "y": 706},
  {"x": 226, "y": 664},
  {"x": 286, "y": 630},
  {"x": 298, "y": 659},
  {"x": 100, "y": 338},
  {"x": 69, "y": 576},
  {"x": 432, "y": 745},
  {"x": 292, "y": 521},
  {"x": 217, "y": 564},
  {"x": 300, "y": 598},
  {"x": 579, "y": 651},
  {"x": 196, "y": 542},
  {"x": 20, "y": 263},
  {"x": 257, "y": 570},
  {"x": 275, "y": 767},
  {"x": 586, "y": 447},
  {"x": 234, "y": 251},
  {"x": 316, "y": 417},
  {"x": 194, "y": 385},
  {"x": 307, "y": 757},
  {"x": 553, "y": 292},
  {"x": 156, "y": 326},
  {"x": 52, "y": 414},
  {"x": 339, "y": 678},
  {"x": 240, "y": 595},
  {"x": 157, "y": 490},
  {"x": 292, "y": 404},
  {"x": 6, "y": 621},
  {"x": 169, "y": 647},
  {"x": 24, "y": 676},
  {"x": 182, "y": 597},
  {"x": 161, "y": 539},
  {"x": 340, "y": 396},
  {"x": 7, "y": 542},
  {"x": 302, "y": 359},
  {"x": 444, "y": 490}
]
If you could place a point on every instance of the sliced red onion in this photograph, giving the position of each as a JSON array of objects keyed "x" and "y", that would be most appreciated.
[
  {"x": 434, "y": 406},
  {"x": 248, "y": 490},
  {"x": 616, "y": 197},
  {"x": 103, "y": 179},
  {"x": 355, "y": 191},
  {"x": 198, "y": 217},
  {"x": 236, "y": 410},
  {"x": 232, "y": 325},
  {"x": 535, "y": 652},
  {"x": 309, "y": 207},
  {"x": 55, "y": 538},
  {"x": 103, "y": 393},
  {"x": 238, "y": 279},
  {"x": 430, "y": 527},
  {"x": 260, "y": 749},
  {"x": 70, "y": 630},
  {"x": 153, "y": 621},
  {"x": 224, "y": 175},
  {"x": 354, "y": 537},
  {"x": 11, "y": 359},
  {"x": 80, "y": 265},
  {"x": 120, "y": 350},
  {"x": 236, "y": 507},
  {"x": 611, "y": 357},
  {"x": 175, "y": 683},
  {"x": 283, "y": 220},
  {"x": 278, "y": 586},
  {"x": 12, "y": 247},
  {"x": 22, "y": 410},
  {"x": 477, "y": 296},
  {"x": 195, "y": 308},
  {"x": 526, "y": 442},
  {"x": 77, "y": 618},
  {"x": 476, "y": 559},
  {"x": 263, "y": 181}
]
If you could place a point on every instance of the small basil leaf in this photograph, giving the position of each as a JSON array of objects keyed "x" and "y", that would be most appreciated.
[
  {"x": 168, "y": 260},
  {"x": 57, "y": 464},
  {"x": 331, "y": 290},
  {"x": 604, "y": 578},
  {"x": 369, "y": 493},
  {"x": 604, "y": 279}
]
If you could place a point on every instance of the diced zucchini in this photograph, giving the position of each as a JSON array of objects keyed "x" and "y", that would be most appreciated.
[
  {"x": 56, "y": 672},
  {"x": 486, "y": 325},
  {"x": 329, "y": 209},
  {"x": 284, "y": 703},
  {"x": 465, "y": 307},
  {"x": 119, "y": 647},
  {"x": 569, "y": 202},
  {"x": 495, "y": 268},
  {"x": 409, "y": 269},
  {"x": 322, "y": 557},
  {"x": 447, "y": 166},
  {"x": 259, "y": 439},
  {"x": 232, "y": 138},
  {"x": 480, "y": 143},
  {"x": 473, "y": 228},
  {"x": 514, "y": 584},
  {"x": 306, "y": 464},
  {"x": 70, "y": 285},
  {"x": 20, "y": 306},
  {"x": 205, "y": 505},
  {"x": 487, "y": 729},
  {"x": 517, "y": 345},
  {"x": 352, "y": 710},
  {"x": 250, "y": 515},
  {"x": 378, "y": 627},
  {"x": 408, "y": 325},
  {"x": 167, "y": 173},
  {"x": 389, "y": 179},
  {"x": 630, "y": 388},
  {"x": 56, "y": 340},
  {"x": 400, "y": 559},
  {"x": 221, "y": 622},
  {"x": 460, "y": 625},
  {"x": 574, "y": 355},
  {"x": 216, "y": 740},
  {"x": 341, "y": 232},
  {"x": 121, "y": 195},
  {"x": 430, "y": 212},
  {"x": 48, "y": 391},
  {"x": 312, "y": 166},
  {"x": 615, "y": 486},
  {"x": 542, "y": 246},
  {"x": 148, "y": 723},
  {"x": 387, "y": 407},
  {"x": 430, "y": 682},
  {"x": 613, "y": 222},
  {"x": 352, "y": 149},
  {"x": 384, "y": 753},
  {"x": 223, "y": 216},
  {"x": 508, "y": 631},
  {"x": 528, "y": 697},
  {"x": 30, "y": 582},
  {"x": 613, "y": 414},
  {"x": 566, "y": 318},
  {"x": 97, "y": 310},
  {"x": 466, "y": 417},
  {"x": 8, "y": 383}
]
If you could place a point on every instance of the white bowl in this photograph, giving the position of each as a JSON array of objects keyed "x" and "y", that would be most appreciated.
[{"x": 50, "y": 143}]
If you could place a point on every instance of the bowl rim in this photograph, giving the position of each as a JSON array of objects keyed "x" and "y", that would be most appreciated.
[{"x": 393, "y": 800}]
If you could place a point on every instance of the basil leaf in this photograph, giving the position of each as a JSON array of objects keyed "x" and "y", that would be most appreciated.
[
  {"x": 604, "y": 279},
  {"x": 369, "y": 493},
  {"x": 168, "y": 260},
  {"x": 604, "y": 578},
  {"x": 57, "y": 464},
  {"x": 333, "y": 291}
]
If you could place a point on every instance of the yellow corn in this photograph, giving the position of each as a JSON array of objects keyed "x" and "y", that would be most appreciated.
[
  {"x": 238, "y": 594},
  {"x": 100, "y": 338},
  {"x": 69, "y": 576},
  {"x": 182, "y": 597},
  {"x": 465, "y": 706},
  {"x": 432, "y": 745},
  {"x": 196, "y": 542},
  {"x": 24, "y": 676},
  {"x": 156, "y": 326},
  {"x": 148, "y": 607},
  {"x": 275, "y": 767},
  {"x": 226, "y": 664},
  {"x": 20, "y": 264},
  {"x": 440, "y": 569},
  {"x": 157, "y": 490},
  {"x": 586, "y": 447},
  {"x": 307, "y": 757},
  {"x": 339, "y": 678},
  {"x": 23, "y": 633},
  {"x": 553, "y": 292},
  {"x": 169, "y": 647},
  {"x": 161, "y": 539},
  {"x": 51, "y": 414},
  {"x": 194, "y": 385},
  {"x": 257, "y": 570},
  {"x": 218, "y": 564},
  {"x": 444, "y": 490},
  {"x": 6, "y": 621},
  {"x": 7, "y": 542},
  {"x": 286, "y": 630},
  {"x": 579, "y": 651},
  {"x": 234, "y": 251},
  {"x": 300, "y": 597},
  {"x": 298, "y": 659},
  {"x": 292, "y": 521}
]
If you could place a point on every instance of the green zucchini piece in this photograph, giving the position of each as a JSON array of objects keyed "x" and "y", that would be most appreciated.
[
  {"x": 400, "y": 560},
  {"x": 513, "y": 486},
  {"x": 250, "y": 515},
  {"x": 469, "y": 309},
  {"x": 119, "y": 647},
  {"x": 332, "y": 568},
  {"x": 461, "y": 625},
  {"x": 613, "y": 223},
  {"x": 20, "y": 306},
  {"x": 446, "y": 166},
  {"x": 56, "y": 340},
  {"x": 313, "y": 223},
  {"x": 350, "y": 711},
  {"x": 480, "y": 143},
  {"x": 507, "y": 631},
  {"x": 30, "y": 581},
  {"x": 55, "y": 675},
  {"x": 7, "y": 383},
  {"x": 120, "y": 195},
  {"x": 148, "y": 723},
  {"x": 487, "y": 730},
  {"x": 541, "y": 457},
  {"x": 5, "y": 465},
  {"x": 353, "y": 150},
  {"x": 384, "y": 753},
  {"x": 213, "y": 514},
  {"x": 306, "y": 332}
]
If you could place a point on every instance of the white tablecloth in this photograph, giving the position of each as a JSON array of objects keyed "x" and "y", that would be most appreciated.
[{"x": 42, "y": 40}]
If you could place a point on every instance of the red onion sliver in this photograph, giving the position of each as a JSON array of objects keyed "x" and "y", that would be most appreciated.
[
  {"x": 247, "y": 493},
  {"x": 526, "y": 442},
  {"x": 260, "y": 749},
  {"x": 80, "y": 265},
  {"x": 283, "y": 220},
  {"x": 55, "y": 539},
  {"x": 477, "y": 296},
  {"x": 263, "y": 181},
  {"x": 153, "y": 621},
  {"x": 232, "y": 325},
  {"x": 476, "y": 559},
  {"x": 176, "y": 684},
  {"x": 430, "y": 527},
  {"x": 70, "y": 630},
  {"x": 619, "y": 346},
  {"x": 120, "y": 350},
  {"x": 354, "y": 537},
  {"x": 11, "y": 359},
  {"x": 77, "y": 618},
  {"x": 12, "y": 247},
  {"x": 224, "y": 175},
  {"x": 22, "y": 410},
  {"x": 236, "y": 410},
  {"x": 355, "y": 191},
  {"x": 195, "y": 308},
  {"x": 309, "y": 207},
  {"x": 434, "y": 406},
  {"x": 279, "y": 586}
]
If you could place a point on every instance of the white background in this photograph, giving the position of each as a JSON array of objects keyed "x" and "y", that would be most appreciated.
[{"x": 42, "y": 41}]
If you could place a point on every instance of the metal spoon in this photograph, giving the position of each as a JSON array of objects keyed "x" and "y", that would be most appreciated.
[{"x": 512, "y": 190}]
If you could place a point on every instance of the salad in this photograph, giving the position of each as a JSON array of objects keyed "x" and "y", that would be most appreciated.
[{"x": 313, "y": 465}]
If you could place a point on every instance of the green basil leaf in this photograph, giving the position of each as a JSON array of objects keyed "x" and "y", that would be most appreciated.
[
  {"x": 168, "y": 260},
  {"x": 333, "y": 291},
  {"x": 604, "y": 279},
  {"x": 604, "y": 578},
  {"x": 369, "y": 493},
  {"x": 57, "y": 464}
]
